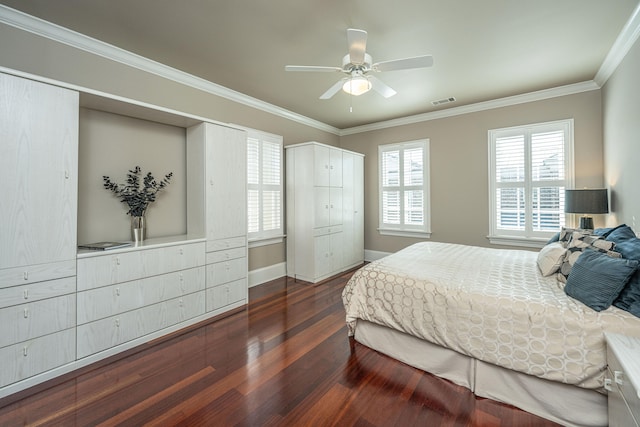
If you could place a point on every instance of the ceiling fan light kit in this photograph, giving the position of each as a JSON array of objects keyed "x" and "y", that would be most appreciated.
[
  {"x": 357, "y": 85},
  {"x": 357, "y": 64}
]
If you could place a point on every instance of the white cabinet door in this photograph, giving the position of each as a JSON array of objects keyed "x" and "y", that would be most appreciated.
[
  {"x": 321, "y": 159},
  {"x": 353, "y": 218},
  {"x": 335, "y": 167},
  {"x": 38, "y": 166},
  {"x": 226, "y": 177},
  {"x": 327, "y": 166}
]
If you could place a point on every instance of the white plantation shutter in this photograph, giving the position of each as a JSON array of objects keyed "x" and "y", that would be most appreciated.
[
  {"x": 530, "y": 166},
  {"x": 403, "y": 188},
  {"x": 264, "y": 186}
]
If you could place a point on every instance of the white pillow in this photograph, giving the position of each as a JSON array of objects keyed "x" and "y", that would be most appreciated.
[{"x": 550, "y": 258}]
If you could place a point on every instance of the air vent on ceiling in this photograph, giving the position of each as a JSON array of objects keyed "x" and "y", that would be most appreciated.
[{"x": 443, "y": 101}]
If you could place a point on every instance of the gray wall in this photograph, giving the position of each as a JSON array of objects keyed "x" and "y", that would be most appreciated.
[
  {"x": 459, "y": 164},
  {"x": 621, "y": 124},
  {"x": 30, "y": 53}
]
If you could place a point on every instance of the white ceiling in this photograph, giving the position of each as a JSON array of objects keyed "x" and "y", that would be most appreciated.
[{"x": 482, "y": 50}]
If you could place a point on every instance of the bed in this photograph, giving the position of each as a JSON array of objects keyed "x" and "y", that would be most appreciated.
[{"x": 487, "y": 319}]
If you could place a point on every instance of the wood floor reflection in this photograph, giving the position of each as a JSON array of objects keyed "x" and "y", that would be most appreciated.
[{"x": 284, "y": 361}]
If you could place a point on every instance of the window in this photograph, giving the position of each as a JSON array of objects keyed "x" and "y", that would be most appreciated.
[
  {"x": 264, "y": 188},
  {"x": 529, "y": 169},
  {"x": 404, "y": 189}
]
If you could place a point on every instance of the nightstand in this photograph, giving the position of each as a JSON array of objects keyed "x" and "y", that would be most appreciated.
[{"x": 623, "y": 380}]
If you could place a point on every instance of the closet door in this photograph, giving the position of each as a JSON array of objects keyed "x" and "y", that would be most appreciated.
[
  {"x": 226, "y": 176},
  {"x": 38, "y": 164}
]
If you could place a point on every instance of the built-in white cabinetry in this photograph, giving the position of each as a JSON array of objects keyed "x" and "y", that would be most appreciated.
[
  {"x": 217, "y": 209},
  {"x": 54, "y": 320},
  {"x": 38, "y": 167},
  {"x": 325, "y": 226},
  {"x": 128, "y": 293}
]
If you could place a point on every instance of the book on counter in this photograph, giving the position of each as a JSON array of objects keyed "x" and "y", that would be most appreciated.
[{"x": 104, "y": 246}]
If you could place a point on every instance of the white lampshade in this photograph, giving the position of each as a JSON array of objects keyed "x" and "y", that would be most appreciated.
[{"x": 357, "y": 85}]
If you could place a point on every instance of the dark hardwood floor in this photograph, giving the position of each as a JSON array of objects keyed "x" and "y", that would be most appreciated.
[{"x": 284, "y": 361}]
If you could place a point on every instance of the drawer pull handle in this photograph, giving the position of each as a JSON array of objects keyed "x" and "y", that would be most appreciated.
[
  {"x": 26, "y": 313},
  {"x": 117, "y": 260},
  {"x": 25, "y": 351},
  {"x": 117, "y": 291},
  {"x": 66, "y": 174},
  {"x": 26, "y": 275},
  {"x": 181, "y": 251},
  {"x": 26, "y": 294},
  {"x": 607, "y": 384},
  {"x": 117, "y": 323},
  {"x": 181, "y": 277},
  {"x": 181, "y": 303},
  {"x": 618, "y": 377}
]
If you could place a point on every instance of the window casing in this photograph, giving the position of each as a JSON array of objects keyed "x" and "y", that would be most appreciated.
[
  {"x": 529, "y": 169},
  {"x": 264, "y": 188},
  {"x": 404, "y": 195}
]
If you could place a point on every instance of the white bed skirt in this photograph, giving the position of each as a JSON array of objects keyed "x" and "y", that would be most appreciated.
[{"x": 558, "y": 402}]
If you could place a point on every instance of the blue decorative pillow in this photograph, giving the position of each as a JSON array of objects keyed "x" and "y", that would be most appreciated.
[
  {"x": 629, "y": 298},
  {"x": 620, "y": 234},
  {"x": 605, "y": 232},
  {"x": 597, "y": 279}
]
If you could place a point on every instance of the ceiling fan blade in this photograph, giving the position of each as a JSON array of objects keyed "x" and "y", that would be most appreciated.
[
  {"x": 357, "y": 40},
  {"x": 404, "y": 64},
  {"x": 311, "y": 68},
  {"x": 333, "y": 89},
  {"x": 380, "y": 87}
]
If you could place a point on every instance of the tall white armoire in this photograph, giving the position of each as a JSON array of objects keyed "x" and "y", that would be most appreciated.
[
  {"x": 38, "y": 207},
  {"x": 325, "y": 201}
]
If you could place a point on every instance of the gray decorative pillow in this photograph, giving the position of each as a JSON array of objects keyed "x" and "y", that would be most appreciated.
[{"x": 579, "y": 242}]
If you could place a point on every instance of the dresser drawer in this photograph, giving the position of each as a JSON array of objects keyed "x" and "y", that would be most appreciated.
[
  {"x": 108, "y": 269},
  {"x": 621, "y": 384},
  {"x": 108, "y": 301},
  {"x": 222, "y": 244},
  {"x": 106, "y": 333},
  {"x": 37, "y": 291},
  {"x": 226, "y": 294},
  {"x": 227, "y": 271},
  {"x": 16, "y": 276},
  {"x": 220, "y": 256},
  {"x": 33, "y": 357},
  {"x": 27, "y": 321}
]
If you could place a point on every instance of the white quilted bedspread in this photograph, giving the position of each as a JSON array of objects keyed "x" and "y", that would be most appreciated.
[{"x": 490, "y": 304}]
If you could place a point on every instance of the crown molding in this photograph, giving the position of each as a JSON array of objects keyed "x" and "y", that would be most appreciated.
[
  {"x": 77, "y": 40},
  {"x": 25, "y": 22},
  {"x": 477, "y": 107},
  {"x": 627, "y": 37}
]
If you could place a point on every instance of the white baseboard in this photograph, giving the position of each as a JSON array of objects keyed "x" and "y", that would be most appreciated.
[
  {"x": 266, "y": 274},
  {"x": 370, "y": 255}
]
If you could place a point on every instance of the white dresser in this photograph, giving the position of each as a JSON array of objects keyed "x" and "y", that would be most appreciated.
[
  {"x": 623, "y": 380},
  {"x": 128, "y": 293}
]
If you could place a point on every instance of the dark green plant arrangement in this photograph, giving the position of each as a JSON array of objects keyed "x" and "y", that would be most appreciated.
[{"x": 137, "y": 197}]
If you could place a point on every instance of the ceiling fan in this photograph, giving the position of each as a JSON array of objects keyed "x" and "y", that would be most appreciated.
[{"x": 357, "y": 64}]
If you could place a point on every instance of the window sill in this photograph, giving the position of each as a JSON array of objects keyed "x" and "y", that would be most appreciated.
[
  {"x": 524, "y": 242},
  {"x": 266, "y": 241},
  {"x": 405, "y": 233}
]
